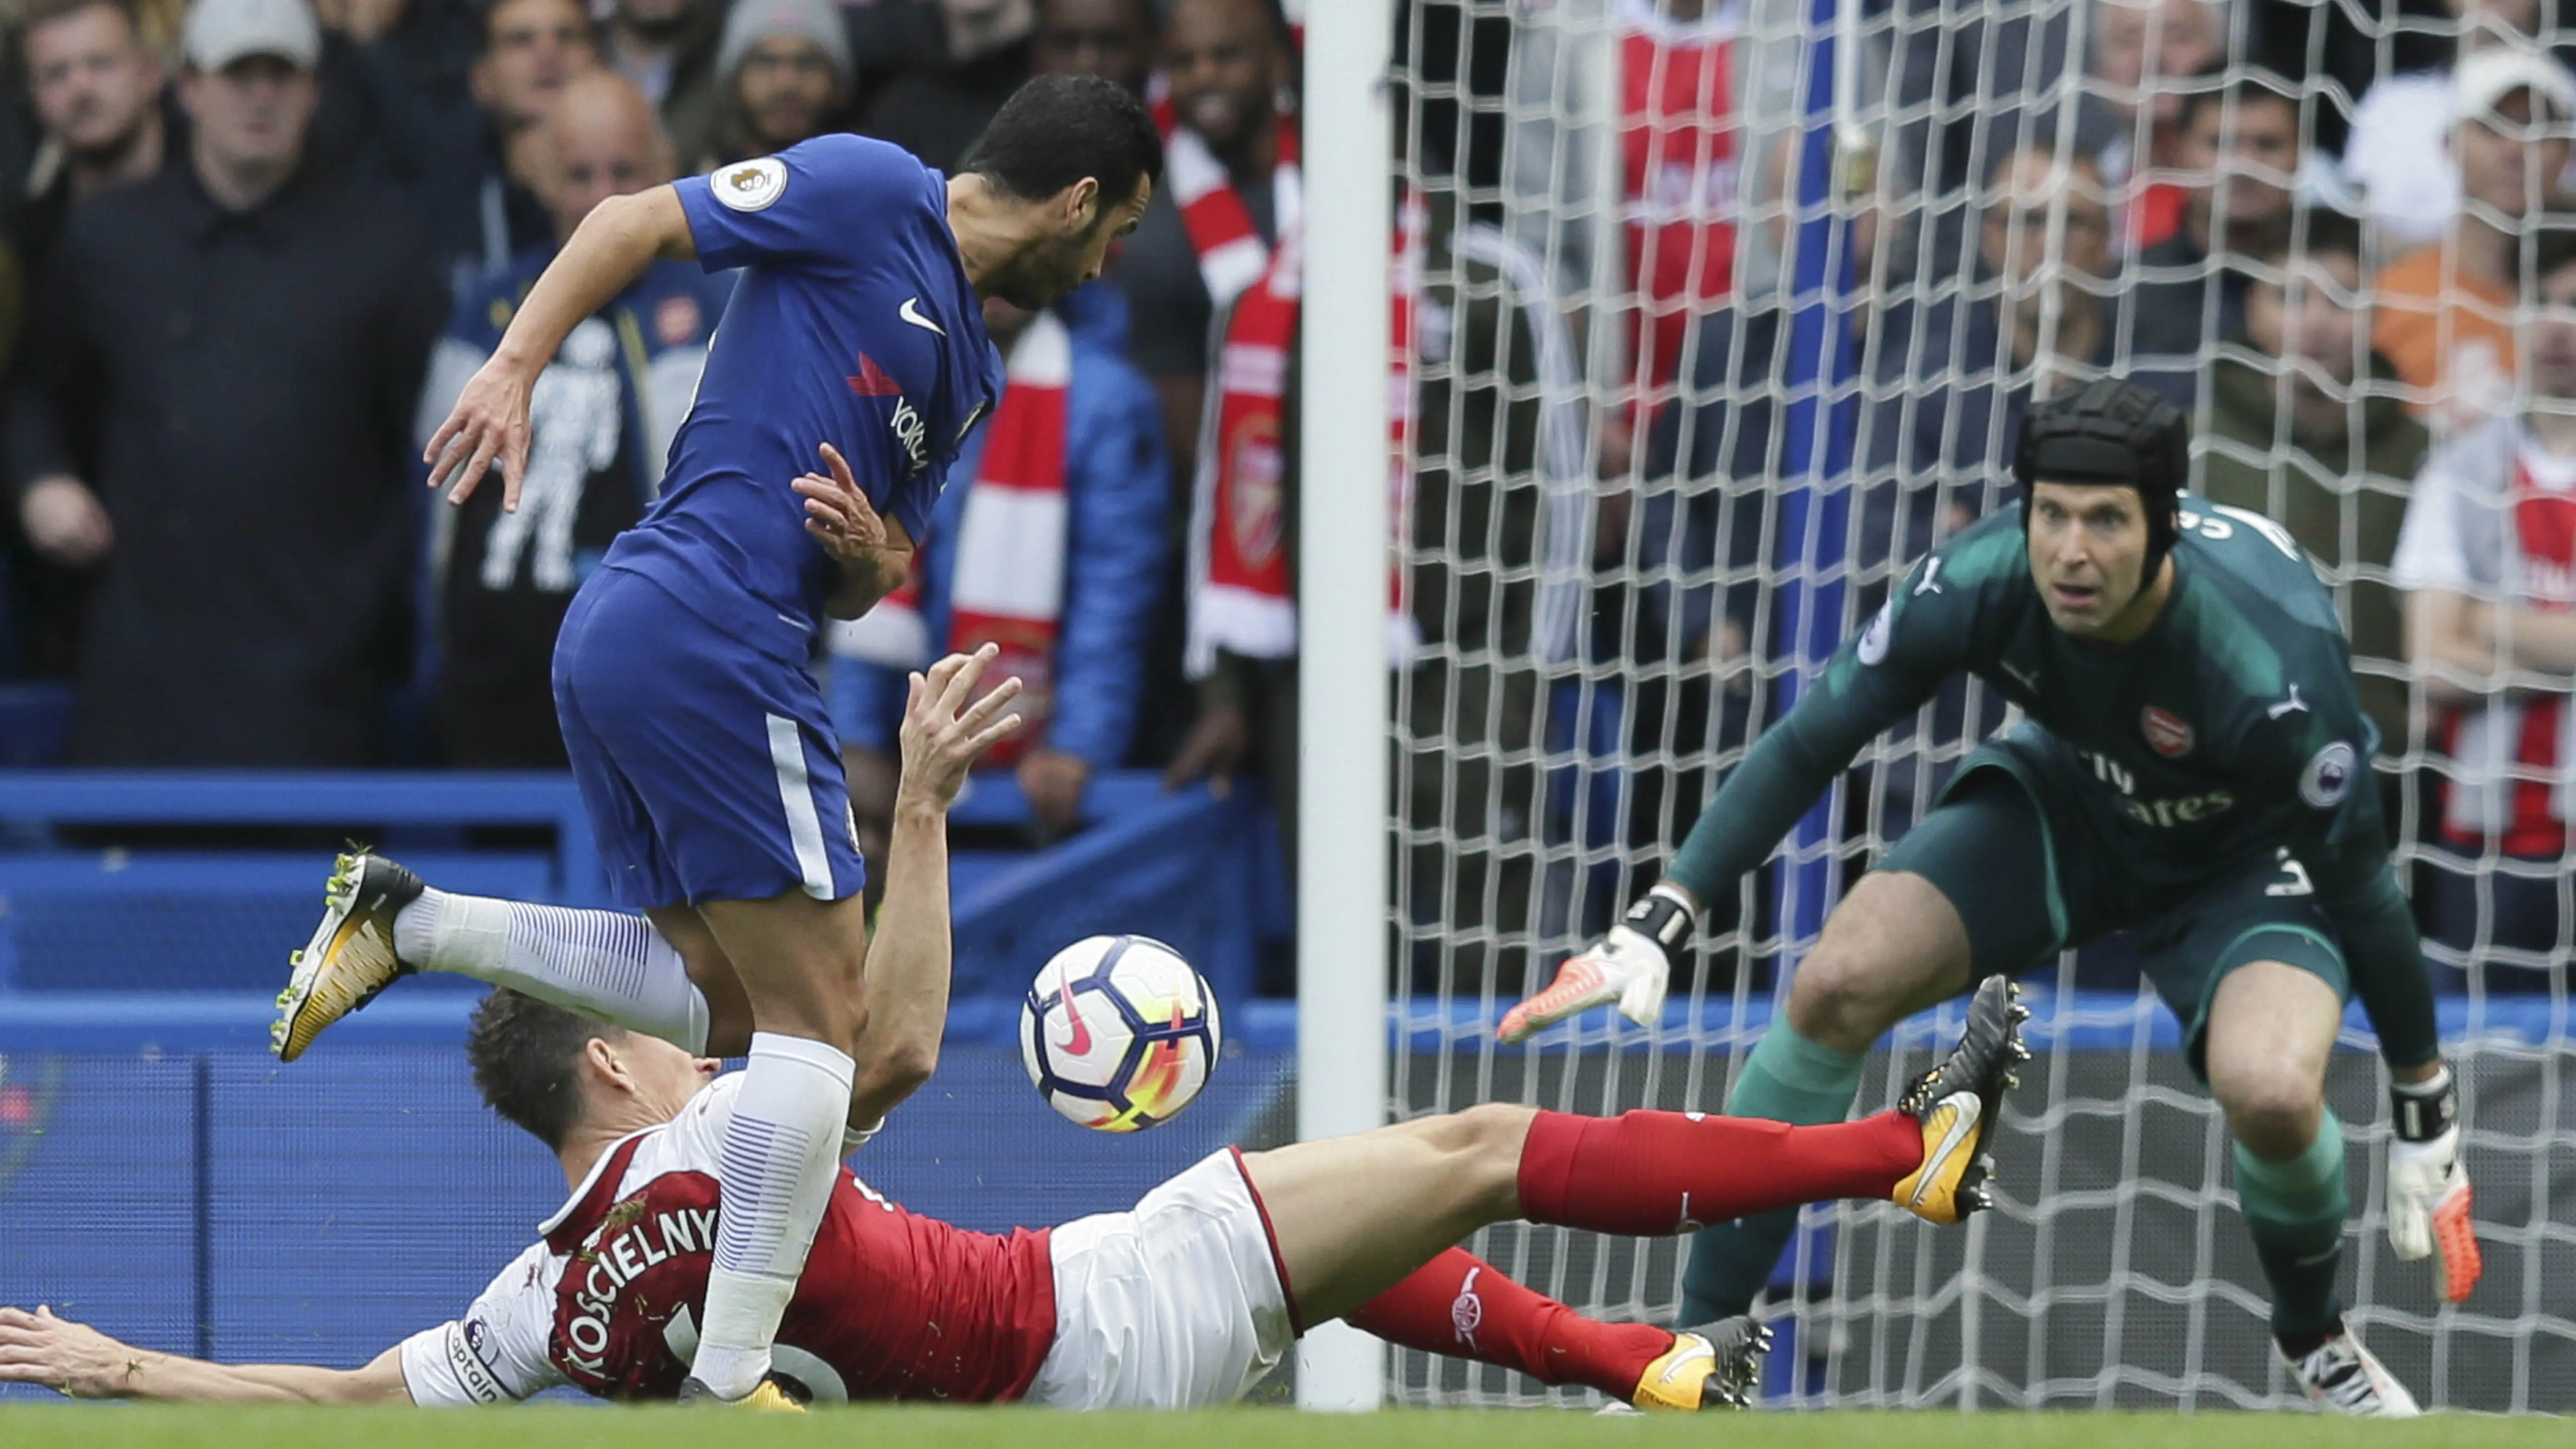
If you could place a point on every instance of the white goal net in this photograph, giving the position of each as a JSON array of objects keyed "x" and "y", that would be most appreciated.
[{"x": 1689, "y": 394}]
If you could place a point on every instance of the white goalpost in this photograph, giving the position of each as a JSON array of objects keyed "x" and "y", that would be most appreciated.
[{"x": 1342, "y": 624}]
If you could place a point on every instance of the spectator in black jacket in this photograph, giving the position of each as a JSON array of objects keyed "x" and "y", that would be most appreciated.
[
  {"x": 668, "y": 48},
  {"x": 246, "y": 335},
  {"x": 96, "y": 86},
  {"x": 95, "y": 81},
  {"x": 936, "y": 110}
]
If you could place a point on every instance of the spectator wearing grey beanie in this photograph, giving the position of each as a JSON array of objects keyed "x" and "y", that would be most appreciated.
[{"x": 785, "y": 72}]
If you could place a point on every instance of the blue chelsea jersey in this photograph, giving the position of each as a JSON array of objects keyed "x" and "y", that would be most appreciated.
[{"x": 852, "y": 324}]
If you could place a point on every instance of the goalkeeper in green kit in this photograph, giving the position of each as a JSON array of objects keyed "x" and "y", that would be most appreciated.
[{"x": 2194, "y": 768}]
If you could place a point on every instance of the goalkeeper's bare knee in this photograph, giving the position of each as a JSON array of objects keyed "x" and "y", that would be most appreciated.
[
  {"x": 1893, "y": 946},
  {"x": 2273, "y": 1108}
]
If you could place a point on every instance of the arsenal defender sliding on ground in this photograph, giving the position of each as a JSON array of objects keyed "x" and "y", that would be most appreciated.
[{"x": 1188, "y": 1299}]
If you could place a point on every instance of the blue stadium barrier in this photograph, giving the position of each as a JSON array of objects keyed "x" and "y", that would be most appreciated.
[
  {"x": 35, "y": 723},
  {"x": 1186, "y": 867}
]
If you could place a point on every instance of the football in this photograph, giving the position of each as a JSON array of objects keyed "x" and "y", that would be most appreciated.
[{"x": 1119, "y": 1032}]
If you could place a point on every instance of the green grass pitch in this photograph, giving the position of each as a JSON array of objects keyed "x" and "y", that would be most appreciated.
[{"x": 576, "y": 1427}]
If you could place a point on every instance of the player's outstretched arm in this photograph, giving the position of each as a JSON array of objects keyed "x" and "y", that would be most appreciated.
[
  {"x": 1917, "y": 641},
  {"x": 945, "y": 729},
  {"x": 77, "y": 1360},
  {"x": 608, "y": 251}
]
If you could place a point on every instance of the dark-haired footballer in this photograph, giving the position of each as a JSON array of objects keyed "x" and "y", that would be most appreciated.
[
  {"x": 2194, "y": 767},
  {"x": 700, "y": 741}
]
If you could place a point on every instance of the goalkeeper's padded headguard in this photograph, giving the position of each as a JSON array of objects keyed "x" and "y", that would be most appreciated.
[{"x": 2110, "y": 432}]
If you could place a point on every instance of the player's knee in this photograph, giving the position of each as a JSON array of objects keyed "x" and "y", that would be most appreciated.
[
  {"x": 1838, "y": 1000},
  {"x": 1481, "y": 1151},
  {"x": 2275, "y": 1114}
]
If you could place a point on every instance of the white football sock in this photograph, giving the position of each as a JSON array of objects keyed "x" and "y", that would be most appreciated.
[
  {"x": 604, "y": 964},
  {"x": 780, "y": 1157}
]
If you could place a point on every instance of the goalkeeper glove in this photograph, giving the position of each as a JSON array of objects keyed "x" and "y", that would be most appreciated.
[
  {"x": 1629, "y": 966},
  {"x": 2428, "y": 1189}
]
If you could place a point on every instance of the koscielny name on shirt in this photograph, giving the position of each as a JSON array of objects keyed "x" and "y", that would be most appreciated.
[{"x": 614, "y": 1262}]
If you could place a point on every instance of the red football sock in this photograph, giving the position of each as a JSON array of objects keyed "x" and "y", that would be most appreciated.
[
  {"x": 1651, "y": 1174},
  {"x": 1460, "y": 1305}
]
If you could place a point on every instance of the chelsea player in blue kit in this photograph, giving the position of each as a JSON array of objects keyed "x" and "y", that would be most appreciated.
[{"x": 700, "y": 741}]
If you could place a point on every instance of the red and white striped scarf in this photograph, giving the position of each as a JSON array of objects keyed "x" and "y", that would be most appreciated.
[
  {"x": 1231, "y": 253},
  {"x": 1007, "y": 584},
  {"x": 1242, "y": 598}
]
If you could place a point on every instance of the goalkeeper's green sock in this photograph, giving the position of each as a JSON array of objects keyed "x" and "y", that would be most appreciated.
[
  {"x": 2295, "y": 1210},
  {"x": 1787, "y": 1079}
]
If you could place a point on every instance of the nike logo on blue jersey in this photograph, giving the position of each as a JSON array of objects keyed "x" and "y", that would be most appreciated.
[{"x": 910, "y": 311}]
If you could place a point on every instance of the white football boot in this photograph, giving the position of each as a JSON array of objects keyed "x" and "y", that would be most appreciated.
[
  {"x": 351, "y": 956},
  {"x": 2342, "y": 1377}
]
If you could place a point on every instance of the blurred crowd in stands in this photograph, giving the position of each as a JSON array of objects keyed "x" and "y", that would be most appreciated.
[{"x": 254, "y": 248}]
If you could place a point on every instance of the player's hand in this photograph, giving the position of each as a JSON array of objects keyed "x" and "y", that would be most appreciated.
[
  {"x": 945, "y": 727},
  {"x": 1054, "y": 781},
  {"x": 488, "y": 425},
  {"x": 65, "y": 522},
  {"x": 837, "y": 511},
  {"x": 69, "y": 1358},
  {"x": 1626, "y": 967},
  {"x": 1215, "y": 748},
  {"x": 2428, "y": 1189}
]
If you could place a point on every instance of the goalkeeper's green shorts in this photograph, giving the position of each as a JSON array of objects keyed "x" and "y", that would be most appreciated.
[{"x": 2029, "y": 881}]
